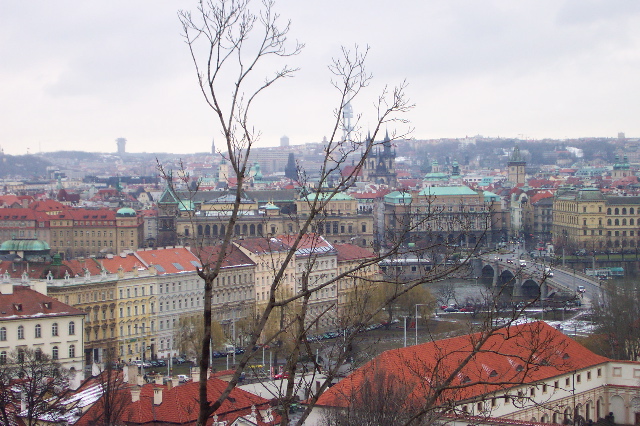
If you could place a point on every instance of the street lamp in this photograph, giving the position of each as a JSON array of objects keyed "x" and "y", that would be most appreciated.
[{"x": 416, "y": 317}]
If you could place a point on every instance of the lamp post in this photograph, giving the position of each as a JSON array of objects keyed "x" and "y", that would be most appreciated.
[{"x": 416, "y": 317}]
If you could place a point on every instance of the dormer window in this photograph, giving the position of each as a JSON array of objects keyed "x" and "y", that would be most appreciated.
[
  {"x": 47, "y": 305},
  {"x": 17, "y": 306}
]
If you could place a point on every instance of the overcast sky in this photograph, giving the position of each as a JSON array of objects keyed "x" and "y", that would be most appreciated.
[{"x": 77, "y": 75}]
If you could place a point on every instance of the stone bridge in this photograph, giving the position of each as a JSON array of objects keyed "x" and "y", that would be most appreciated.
[{"x": 513, "y": 281}]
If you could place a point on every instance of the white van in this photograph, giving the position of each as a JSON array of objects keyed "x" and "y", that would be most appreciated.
[{"x": 523, "y": 264}]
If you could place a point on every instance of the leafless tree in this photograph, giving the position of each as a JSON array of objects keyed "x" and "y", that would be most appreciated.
[
  {"x": 187, "y": 335},
  {"x": 229, "y": 43},
  {"x": 38, "y": 382},
  {"x": 110, "y": 409},
  {"x": 616, "y": 314}
]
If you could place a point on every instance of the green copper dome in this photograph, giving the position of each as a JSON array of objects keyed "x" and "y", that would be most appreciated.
[
  {"x": 126, "y": 212},
  {"x": 24, "y": 245}
]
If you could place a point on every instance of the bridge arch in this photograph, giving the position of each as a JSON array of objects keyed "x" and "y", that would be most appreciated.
[{"x": 530, "y": 289}]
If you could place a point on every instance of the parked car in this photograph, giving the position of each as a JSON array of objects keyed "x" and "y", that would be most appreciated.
[
  {"x": 523, "y": 264},
  {"x": 581, "y": 289},
  {"x": 548, "y": 272},
  {"x": 451, "y": 309},
  {"x": 283, "y": 375},
  {"x": 182, "y": 378}
]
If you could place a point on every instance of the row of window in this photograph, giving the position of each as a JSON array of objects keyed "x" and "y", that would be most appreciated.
[
  {"x": 135, "y": 292},
  {"x": 55, "y": 354},
  {"x": 37, "y": 331}
]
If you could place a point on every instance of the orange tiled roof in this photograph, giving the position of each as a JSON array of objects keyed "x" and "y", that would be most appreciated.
[
  {"x": 171, "y": 260},
  {"x": 25, "y": 303},
  {"x": 517, "y": 354},
  {"x": 180, "y": 405},
  {"x": 348, "y": 252},
  {"x": 233, "y": 258}
]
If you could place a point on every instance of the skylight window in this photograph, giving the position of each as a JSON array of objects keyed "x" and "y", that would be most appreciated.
[{"x": 178, "y": 266}]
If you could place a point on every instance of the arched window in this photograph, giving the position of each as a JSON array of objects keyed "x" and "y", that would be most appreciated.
[
  {"x": 616, "y": 211},
  {"x": 624, "y": 222},
  {"x": 20, "y": 332},
  {"x": 38, "y": 354},
  {"x": 38, "y": 330},
  {"x": 631, "y": 221},
  {"x": 20, "y": 355},
  {"x": 207, "y": 230},
  {"x": 3, "y": 357},
  {"x": 244, "y": 229},
  {"x": 260, "y": 229},
  {"x": 609, "y": 210},
  {"x": 252, "y": 229},
  {"x": 631, "y": 210},
  {"x": 617, "y": 222},
  {"x": 72, "y": 351},
  {"x": 608, "y": 222},
  {"x": 3, "y": 334},
  {"x": 624, "y": 210},
  {"x": 54, "y": 352},
  {"x": 72, "y": 328},
  {"x": 214, "y": 230},
  {"x": 54, "y": 329},
  {"x": 199, "y": 230}
]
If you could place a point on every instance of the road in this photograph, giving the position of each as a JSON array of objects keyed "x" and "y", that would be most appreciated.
[{"x": 563, "y": 278}]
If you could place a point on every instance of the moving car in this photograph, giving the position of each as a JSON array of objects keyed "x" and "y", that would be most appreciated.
[
  {"x": 548, "y": 272},
  {"x": 523, "y": 264},
  {"x": 581, "y": 289}
]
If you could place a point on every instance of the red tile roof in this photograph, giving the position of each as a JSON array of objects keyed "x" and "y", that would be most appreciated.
[
  {"x": 180, "y": 405},
  {"x": 234, "y": 256},
  {"x": 128, "y": 262},
  {"x": 347, "y": 252},
  {"x": 262, "y": 245},
  {"x": 171, "y": 260},
  {"x": 517, "y": 354},
  {"x": 25, "y": 303}
]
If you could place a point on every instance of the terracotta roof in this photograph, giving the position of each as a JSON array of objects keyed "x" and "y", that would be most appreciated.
[
  {"x": 262, "y": 245},
  {"x": 35, "y": 271},
  {"x": 518, "y": 354},
  {"x": 77, "y": 267},
  {"x": 47, "y": 205},
  {"x": 25, "y": 303},
  {"x": 348, "y": 252},
  {"x": 180, "y": 405},
  {"x": 309, "y": 241},
  {"x": 234, "y": 256},
  {"x": 128, "y": 262},
  {"x": 169, "y": 260},
  {"x": 17, "y": 214}
]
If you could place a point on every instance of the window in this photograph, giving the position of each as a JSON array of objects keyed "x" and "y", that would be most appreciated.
[
  {"x": 72, "y": 351},
  {"x": 3, "y": 334},
  {"x": 54, "y": 329},
  {"x": 54, "y": 352},
  {"x": 20, "y": 332},
  {"x": 566, "y": 381},
  {"x": 3, "y": 357},
  {"x": 599, "y": 372},
  {"x": 38, "y": 330}
]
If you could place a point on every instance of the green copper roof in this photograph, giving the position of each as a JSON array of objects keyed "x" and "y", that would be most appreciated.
[
  {"x": 397, "y": 197},
  {"x": 24, "y": 245},
  {"x": 447, "y": 190},
  {"x": 126, "y": 212}
]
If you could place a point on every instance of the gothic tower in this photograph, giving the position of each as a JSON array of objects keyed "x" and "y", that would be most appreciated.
[{"x": 515, "y": 168}]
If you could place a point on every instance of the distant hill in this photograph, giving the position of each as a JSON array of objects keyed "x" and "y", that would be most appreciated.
[{"x": 23, "y": 166}]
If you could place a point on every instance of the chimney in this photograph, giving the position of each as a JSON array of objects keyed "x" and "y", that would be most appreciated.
[
  {"x": 130, "y": 373},
  {"x": 135, "y": 394},
  {"x": 157, "y": 396},
  {"x": 174, "y": 382},
  {"x": 23, "y": 401},
  {"x": 6, "y": 288},
  {"x": 195, "y": 374},
  {"x": 40, "y": 287},
  {"x": 169, "y": 384},
  {"x": 159, "y": 380},
  {"x": 139, "y": 380}
]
